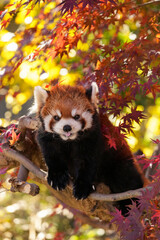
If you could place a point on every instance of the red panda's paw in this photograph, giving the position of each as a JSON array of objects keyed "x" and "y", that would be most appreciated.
[
  {"x": 81, "y": 190},
  {"x": 59, "y": 180}
]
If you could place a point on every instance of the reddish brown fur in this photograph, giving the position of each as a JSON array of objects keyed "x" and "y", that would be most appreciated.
[
  {"x": 121, "y": 144},
  {"x": 66, "y": 98}
]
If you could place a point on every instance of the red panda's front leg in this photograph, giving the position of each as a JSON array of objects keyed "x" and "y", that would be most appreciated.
[
  {"x": 58, "y": 176},
  {"x": 84, "y": 179},
  {"x": 57, "y": 179}
]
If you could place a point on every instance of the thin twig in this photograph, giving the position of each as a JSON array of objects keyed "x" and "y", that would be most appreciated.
[{"x": 146, "y": 3}]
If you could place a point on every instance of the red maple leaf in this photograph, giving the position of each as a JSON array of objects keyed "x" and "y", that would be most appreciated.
[
  {"x": 119, "y": 219},
  {"x": 134, "y": 115},
  {"x": 156, "y": 216},
  {"x": 47, "y": 86},
  {"x": 111, "y": 141},
  {"x": 5, "y": 22},
  {"x": 68, "y": 5},
  {"x": 157, "y": 141}
]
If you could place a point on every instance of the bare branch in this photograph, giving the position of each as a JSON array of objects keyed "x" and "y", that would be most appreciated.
[
  {"x": 119, "y": 196},
  {"x": 23, "y": 173},
  {"x": 16, "y": 156},
  {"x": 146, "y": 4}
]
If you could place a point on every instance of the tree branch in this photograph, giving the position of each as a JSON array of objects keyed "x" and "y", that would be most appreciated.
[
  {"x": 146, "y": 4},
  {"x": 16, "y": 156},
  {"x": 120, "y": 196},
  {"x": 23, "y": 173}
]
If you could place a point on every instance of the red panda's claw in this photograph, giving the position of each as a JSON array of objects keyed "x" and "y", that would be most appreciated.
[
  {"x": 82, "y": 190},
  {"x": 58, "y": 181}
]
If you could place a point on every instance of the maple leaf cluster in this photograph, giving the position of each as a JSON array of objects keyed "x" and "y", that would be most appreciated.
[
  {"x": 143, "y": 222},
  {"x": 69, "y": 5},
  {"x": 124, "y": 70}
]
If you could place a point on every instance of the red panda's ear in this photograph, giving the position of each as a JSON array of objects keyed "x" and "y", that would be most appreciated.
[
  {"x": 92, "y": 92},
  {"x": 40, "y": 96}
]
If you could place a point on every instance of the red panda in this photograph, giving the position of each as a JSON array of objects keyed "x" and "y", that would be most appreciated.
[{"x": 74, "y": 147}]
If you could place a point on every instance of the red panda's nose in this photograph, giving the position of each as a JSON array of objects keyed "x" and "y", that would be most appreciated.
[{"x": 67, "y": 128}]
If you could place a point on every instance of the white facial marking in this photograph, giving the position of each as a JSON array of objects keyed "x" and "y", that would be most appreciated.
[
  {"x": 47, "y": 120},
  {"x": 88, "y": 117},
  {"x": 95, "y": 91},
  {"x": 75, "y": 127},
  {"x": 58, "y": 113},
  {"x": 73, "y": 113}
]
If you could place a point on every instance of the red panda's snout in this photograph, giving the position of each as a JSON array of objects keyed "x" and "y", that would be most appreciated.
[{"x": 69, "y": 128}]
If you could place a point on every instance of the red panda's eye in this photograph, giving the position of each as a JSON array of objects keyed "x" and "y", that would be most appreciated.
[
  {"x": 57, "y": 118},
  {"x": 76, "y": 117}
]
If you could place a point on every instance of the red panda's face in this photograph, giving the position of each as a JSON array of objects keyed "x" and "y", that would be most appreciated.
[
  {"x": 68, "y": 125},
  {"x": 66, "y": 110}
]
